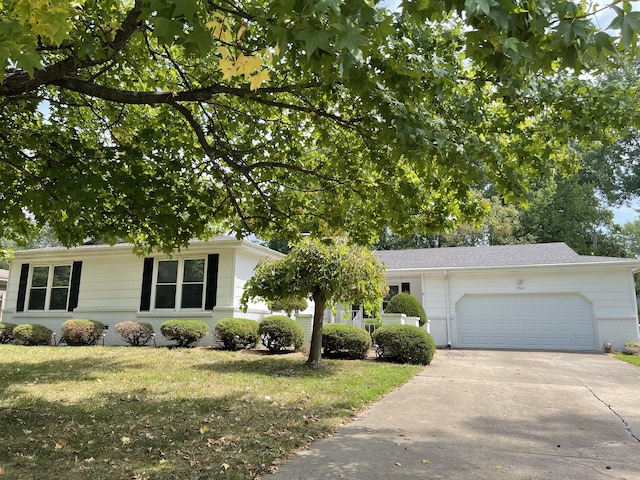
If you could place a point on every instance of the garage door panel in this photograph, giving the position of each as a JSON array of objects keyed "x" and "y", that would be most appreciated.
[{"x": 527, "y": 321}]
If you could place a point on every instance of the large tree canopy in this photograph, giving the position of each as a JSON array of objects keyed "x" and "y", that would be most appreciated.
[{"x": 157, "y": 121}]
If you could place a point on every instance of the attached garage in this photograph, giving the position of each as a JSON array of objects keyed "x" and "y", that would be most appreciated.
[
  {"x": 526, "y": 321},
  {"x": 529, "y": 297}
]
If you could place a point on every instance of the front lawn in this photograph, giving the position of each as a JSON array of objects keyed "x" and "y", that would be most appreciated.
[
  {"x": 625, "y": 357},
  {"x": 145, "y": 413}
]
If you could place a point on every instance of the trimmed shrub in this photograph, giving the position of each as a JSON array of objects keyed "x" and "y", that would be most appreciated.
[
  {"x": 279, "y": 332},
  {"x": 32, "y": 334},
  {"x": 404, "y": 344},
  {"x": 405, "y": 303},
  {"x": 237, "y": 333},
  {"x": 78, "y": 332},
  {"x": 184, "y": 332},
  {"x": 135, "y": 333},
  {"x": 6, "y": 332},
  {"x": 345, "y": 341}
]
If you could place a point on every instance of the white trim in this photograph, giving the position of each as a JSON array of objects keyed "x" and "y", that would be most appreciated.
[
  {"x": 196, "y": 247},
  {"x": 48, "y": 288},
  {"x": 516, "y": 268},
  {"x": 178, "y": 284}
]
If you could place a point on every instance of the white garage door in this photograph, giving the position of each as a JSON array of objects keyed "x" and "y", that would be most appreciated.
[{"x": 525, "y": 321}]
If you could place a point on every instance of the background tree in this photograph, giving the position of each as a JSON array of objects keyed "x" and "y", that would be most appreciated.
[
  {"x": 500, "y": 226},
  {"x": 328, "y": 270},
  {"x": 35, "y": 237},
  {"x": 559, "y": 209},
  {"x": 615, "y": 168},
  {"x": 629, "y": 236},
  {"x": 567, "y": 210},
  {"x": 289, "y": 306},
  {"x": 165, "y": 120}
]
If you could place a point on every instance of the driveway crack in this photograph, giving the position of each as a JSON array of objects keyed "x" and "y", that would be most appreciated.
[{"x": 624, "y": 422}]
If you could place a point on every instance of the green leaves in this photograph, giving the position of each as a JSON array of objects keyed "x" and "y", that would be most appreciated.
[
  {"x": 628, "y": 23},
  {"x": 162, "y": 121},
  {"x": 314, "y": 39},
  {"x": 344, "y": 273}
]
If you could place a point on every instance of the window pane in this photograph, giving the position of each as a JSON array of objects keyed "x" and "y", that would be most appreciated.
[
  {"x": 40, "y": 276},
  {"x": 168, "y": 271},
  {"x": 191, "y": 296},
  {"x": 58, "y": 299},
  {"x": 61, "y": 275},
  {"x": 36, "y": 298},
  {"x": 393, "y": 290},
  {"x": 194, "y": 270},
  {"x": 165, "y": 296}
]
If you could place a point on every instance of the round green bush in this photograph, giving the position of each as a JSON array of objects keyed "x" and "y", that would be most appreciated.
[
  {"x": 345, "y": 341},
  {"x": 404, "y": 344},
  {"x": 405, "y": 303},
  {"x": 237, "y": 333},
  {"x": 184, "y": 332},
  {"x": 279, "y": 332},
  {"x": 135, "y": 333},
  {"x": 32, "y": 334},
  {"x": 78, "y": 332},
  {"x": 6, "y": 332}
]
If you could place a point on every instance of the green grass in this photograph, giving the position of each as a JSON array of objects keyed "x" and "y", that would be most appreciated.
[
  {"x": 145, "y": 413},
  {"x": 625, "y": 357}
]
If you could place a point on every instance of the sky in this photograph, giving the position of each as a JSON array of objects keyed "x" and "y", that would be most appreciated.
[{"x": 624, "y": 215}]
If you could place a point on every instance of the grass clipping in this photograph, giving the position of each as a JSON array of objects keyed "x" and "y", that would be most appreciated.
[{"x": 144, "y": 413}]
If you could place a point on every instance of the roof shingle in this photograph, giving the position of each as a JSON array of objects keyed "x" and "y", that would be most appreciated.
[{"x": 491, "y": 256}]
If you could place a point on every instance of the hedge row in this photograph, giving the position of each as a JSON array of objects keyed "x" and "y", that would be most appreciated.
[{"x": 278, "y": 333}]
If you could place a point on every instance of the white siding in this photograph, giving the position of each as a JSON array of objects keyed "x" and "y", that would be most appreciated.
[
  {"x": 608, "y": 288},
  {"x": 245, "y": 264},
  {"x": 111, "y": 282}
]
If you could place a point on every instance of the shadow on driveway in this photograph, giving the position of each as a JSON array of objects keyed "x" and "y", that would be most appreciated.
[{"x": 492, "y": 414}]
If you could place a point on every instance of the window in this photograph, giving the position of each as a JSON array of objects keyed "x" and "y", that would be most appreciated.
[
  {"x": 393, "y": 290},
  {"x": 49, "y": 287},
  {"x": 180, "y": 282}
]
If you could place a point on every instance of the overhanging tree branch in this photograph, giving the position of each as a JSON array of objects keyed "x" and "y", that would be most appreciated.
[{"x": 20, "y": 82}]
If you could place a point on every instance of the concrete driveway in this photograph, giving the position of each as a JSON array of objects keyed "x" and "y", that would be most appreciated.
[{"x": 492, "y": 414}]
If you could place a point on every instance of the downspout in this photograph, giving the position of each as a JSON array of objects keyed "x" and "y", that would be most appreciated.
[
  {"x": 635, "y": 272},
  {"x": 447, "y": 307},
  {"x": 424, "y": 297}
]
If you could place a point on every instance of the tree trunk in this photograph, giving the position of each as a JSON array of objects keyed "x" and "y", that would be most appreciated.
[{"x": 315, "y": 351}]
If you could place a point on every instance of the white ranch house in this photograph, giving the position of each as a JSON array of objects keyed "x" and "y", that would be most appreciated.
[
  {"x": 542, "y": 296},
  {"x": 111, "y": 284},
  {"x": 539, "y": 296}
]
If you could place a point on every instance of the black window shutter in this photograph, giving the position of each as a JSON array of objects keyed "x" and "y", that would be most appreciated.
[
  {"x": 212, "y": 281},
  {"x": 22, "y": 287},
  {"x": 147, "y": 279},
  {"x": 76, "y": 271}
]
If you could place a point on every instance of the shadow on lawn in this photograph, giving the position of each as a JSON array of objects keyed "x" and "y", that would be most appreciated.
[
  {"x": 55, "y": 371},
  {"x": 272, "y": 366},
  {"x": 137, "y": 435}
]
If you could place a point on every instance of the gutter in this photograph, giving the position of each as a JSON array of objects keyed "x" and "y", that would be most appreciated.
[{"x": 631, "y": 263}]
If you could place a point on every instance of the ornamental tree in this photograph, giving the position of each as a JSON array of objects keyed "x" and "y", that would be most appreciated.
[
  {"x": 158, "y": 121},
  {"x": 327, "y": 270}
]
